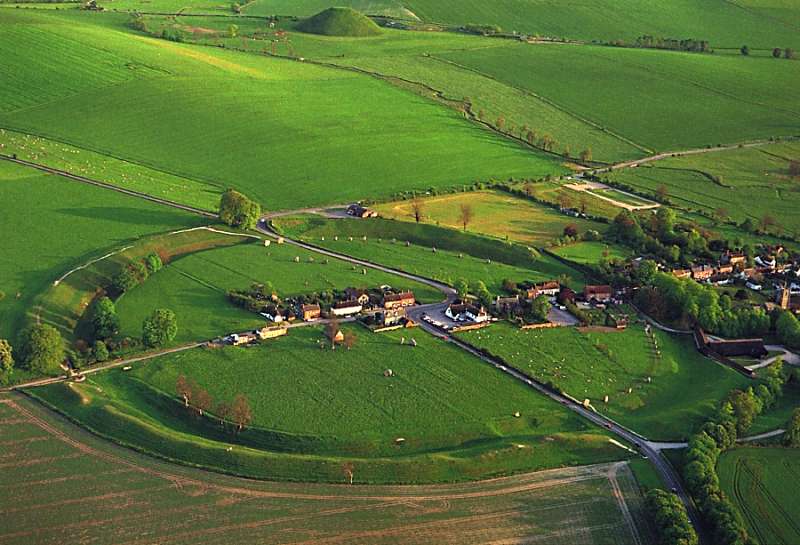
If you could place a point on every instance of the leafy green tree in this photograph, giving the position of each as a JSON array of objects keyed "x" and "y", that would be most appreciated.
[
  {"x": 105, "y": 321},
  {"x": 777, "y": 52},
  {"x": 744, "y": 50},
  {"x": 153, "y": 263},
  {"x": 124, "y": 280},
  {"x": 100, "y": 351},
  {"x": 792, "y": 436},
  {"x": 540, "y": 307},
  {"x": 236, "y": 210},
  {"x": 482, "y": 293},
  {"x": 42, "y": 348},
  {"x": 670, "y": 517},
  {"x": 6, "y": 361},
  {"x": 462, "y": 288},
  {"x": 160, "y": 328}
]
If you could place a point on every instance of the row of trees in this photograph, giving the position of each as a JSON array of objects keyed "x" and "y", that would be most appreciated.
[
  {"x": 787, "y": 53},
  {"x": 672, "y": 523},
  {"x": 733, "y": 418},
  {"x": 684, "y": 301},
  {"x": 198, "y": 399},
  {"x": 135, "y": 273},
  {"x": 544, "y": 141},
  {"x": 653, "y": 42}
]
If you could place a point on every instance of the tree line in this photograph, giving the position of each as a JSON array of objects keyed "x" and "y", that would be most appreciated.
[
  {"x": 199, "y": 400},
  {"x": 733, "y": 418}
]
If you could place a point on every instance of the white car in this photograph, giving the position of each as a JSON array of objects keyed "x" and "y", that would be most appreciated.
[{"x": 754, "y": 287}]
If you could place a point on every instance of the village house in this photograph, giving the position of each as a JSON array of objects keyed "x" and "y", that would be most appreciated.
[
  {"x": 504, "y": 305},
  {"x": 337, "y": 337},
  {"x": 736, "y": 259},
  {"x": 467, "y": 312},
  {"x": 549, "y": 288},
  {"x": 346, "y": 308},
  {"x": 359, "y": 295},
  {"x": 702, "y": 272},
  {"x": 359, "y": 211},
  {"x": 273, "y": 314},
  {"x": 271, "y": 332},
  {"x": 399, "y": 300},
  {"x": 767, "y": 263},
  {"x": 241, "y": 339},
  {"x": 598, "y": 294},
  {"x": 310, "y": 312},
  {"x": 682, "y": 273}
]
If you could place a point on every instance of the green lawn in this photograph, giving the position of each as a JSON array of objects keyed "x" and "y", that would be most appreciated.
[
  {"x": 195, "y": 287},
  {"x": 313, "y": 408},
  {"x": 289, "y": 134},
  {"x": 762, "y": 483},
  {"x": 685, "y": 387},
  {"x": 745, "y": 182},
  {"x": 496, "y": 213},
  {"x": 410, "y": 247},
  {"x": 778, "y": 416},
  {"x": 51, "y": 224}
]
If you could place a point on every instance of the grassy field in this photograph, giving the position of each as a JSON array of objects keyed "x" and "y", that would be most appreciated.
[
  {"x": 761, "y": 482},
  {"x": 588, "y": 253},
  {"x": 195, "y": 287},
  {"x": 496, "y": 213},
  {"x": 761, "y": 24},
  {"x": 778, "y": 416},
  {"x": 685, "y": 387},
  {"x": 107, "y": 494},
  {"x": 745, "y": 182},
  {"x": 51, "y": 224},
  {"x": 288, "y": 133},
  {"x": 660, "y": 100},
  {"x": 314, "y": 409},
  {"x": 457, "y": 255}
]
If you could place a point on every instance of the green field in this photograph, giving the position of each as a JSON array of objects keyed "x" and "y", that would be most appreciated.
[
  {"x": 107, "y": 494},
  {"x": 588, "y": 253},
  {"x": 314, "y": 409},
  {"x": 457, "y": 255},
  {"x": 745, "y": 182},
  {"x": 658, "y": 99},
  {"x": 496, "y": 213},
  {"x": 288, "y": 133},
  {"x": 51, "y": 224},
  {"x": 762, "y": 483},
  {"x": 195, "y": 287},
  {"x": 778, "y": 416},
  {"x": 685, "y": 387},
  {"x": 759, "y": 23}
]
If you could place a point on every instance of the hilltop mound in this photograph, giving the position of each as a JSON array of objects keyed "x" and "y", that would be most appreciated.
[{"x": 340, "y": 22}]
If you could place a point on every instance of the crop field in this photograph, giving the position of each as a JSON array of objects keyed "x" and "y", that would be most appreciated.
[
  {"x": 762, "y": 483},
  {"x": 77, "y": 487},
  {"x": 496, "y": 213},
  {"x": 195, "y": 287},
  {"x": 314, "y": 409},
  {"x": 741, "y": 183},
  {"x": 658, "y": 99},
  {"x": 52, "y": 224},
  {"x": 684, "y": 389},
  {"x": 410, "y": 247},
  {"x": 291, "y": 135}
]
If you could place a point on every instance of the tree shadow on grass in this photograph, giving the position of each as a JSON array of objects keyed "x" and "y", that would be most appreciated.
[{"x": 133, "y": 216}]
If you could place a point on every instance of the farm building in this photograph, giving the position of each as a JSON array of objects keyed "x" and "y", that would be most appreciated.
[
  {"x": 273, "y": 314},
  {"x": 506, "y": 304},
  {"x": 399, "y": 300},
  {"x": 346, "y": 308},
  {"x": 337, "y": 337},
  {"x": 598, "y": 294},
  {"x": 737, "y": 259},
  {"x": 310, "y": 312}
]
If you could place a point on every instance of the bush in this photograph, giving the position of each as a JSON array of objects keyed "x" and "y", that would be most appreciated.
[
  {"x": 160, "y": 328},
  {"x": 42, "y": 349},
  {"x": 124, "y": 280},
  {"x": 100, "y": 351}
]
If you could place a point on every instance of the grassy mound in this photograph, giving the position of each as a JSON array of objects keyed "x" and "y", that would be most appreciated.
[{"x": 340, "y": 22}]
